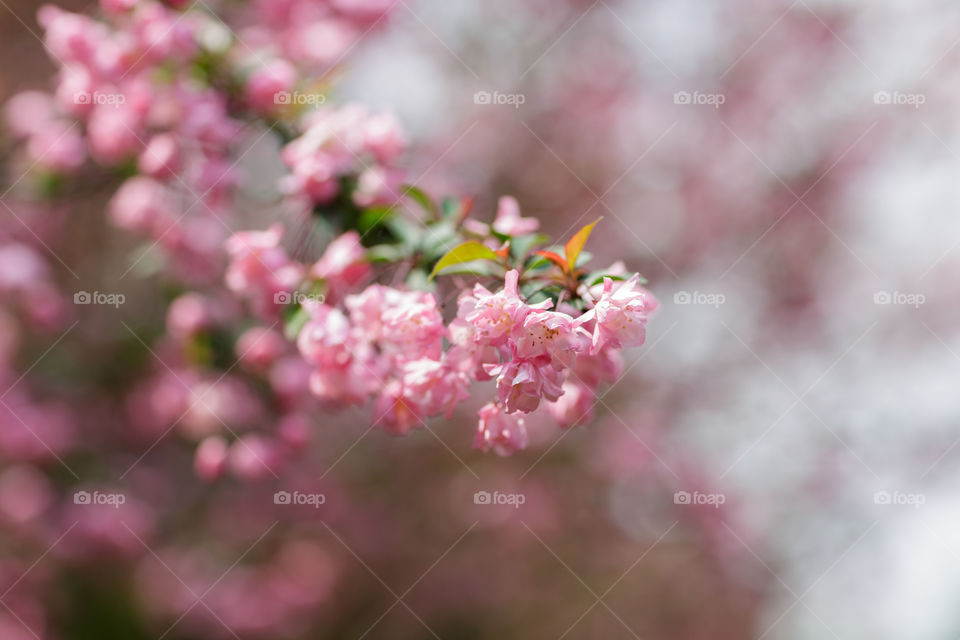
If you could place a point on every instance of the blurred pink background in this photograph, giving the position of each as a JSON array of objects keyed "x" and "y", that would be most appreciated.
[{"x": 778, "y": 461}]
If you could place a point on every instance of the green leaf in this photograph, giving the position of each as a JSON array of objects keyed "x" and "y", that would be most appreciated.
[
  {"x": 466, "y": 269},
  {"x": 386, "y": 253},
  {"x": 417, "y": 280},
  {"x": 370, "y": 218},
  {"x": 521, "y": 246},
  {"x": 596, "y": 277},
  {"x": 575, "y": 245},
  {"x": 583, "y": 258},
  {"x": 438, "y": 238},
  {"x": 294, "y": 322},
  {"x": 466, "y": 252},
  {"x": 420, "y": 197},
  {"x": 535, "y": 292},
  {"x": 407, "y": 232},
  {"x": 450, "y": 208},
  {"x": 456, "y": 210}
]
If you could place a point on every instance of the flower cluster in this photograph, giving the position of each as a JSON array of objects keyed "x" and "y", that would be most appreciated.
[
  {"x": 392, "y": 346},
  {"x": 313, "y": 34},
  {"x": 540, "y": 356},
  {"x": 159, "y": 93},
  {"x": 345, "y": 143},
  {"x": 163, "y": 91}
]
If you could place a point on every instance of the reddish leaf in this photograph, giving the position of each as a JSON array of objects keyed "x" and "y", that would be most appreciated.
[
  {"x": 553, "y": 257},
  {"x": 466, "y": 206},
  {"x": 575, "y": 245},
  {"x": 503, "y": 251}
]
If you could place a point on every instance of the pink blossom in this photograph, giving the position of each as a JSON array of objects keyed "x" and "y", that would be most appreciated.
[
  {"x": 315, "y": 177},
  {"x": 396, "y": 411},
  {"x": 546, "y": 333},
  {"x": 117, "y": 6},
  {"x": 31, "y": 431},
  {"x": 472, "y": 359},
  {"x": 190, "y": 314},
  {"x": 413, "y": 324},
  {"x": 160, "y": 34},
  {"x": 377, "y": 186},
  {"x": 346, "y": 368},
  {"x": 158, "y": 402},
  {"x": 259, "y": 347},
  {"x": 352, "y": 384},
  {"x": 213, "y": 406},
  {"x": 505, "y": 434},
  {"x": 252, "y": 457},
  {"x": 496, "y": 315},
  {"x": 438, "y": 387},
  {"x": 21, "y": 268},
  {"x": 204, "y": 117},
  {"x": 25, "y": 493},
  {"x": 70, "y": 36},
  {"x": 468, "y": 353},
  {"x": 383, "y": 137},
  {"x": 325, "y": 340},
  {"x": 210, "y": 459},
  {"x": 508, "y": 220},
  {"x": 107, "y": 528},
  {"x": 195, "y": 245},
  {"x": 295, "y": 430},
  {"x": 342, "y": 142},
  {"x": 143, "y": 205},
  {"x": 289, "y": 379},
  {"x": 114, "y": 132},
  {"x": 161, "y": 158},
  {"x": 260, "y": 270},
  {"x": 29, "y": 113},
  {"x": 575, "y": 406},
  {"x": 620, "y": 315},
  {"x": 322, "y": 42},
  {"x": 366, "y": 309},
  {"x": 367, "y": 9},
  {"x": 265, "y": 83},
  {"x": 605, "y": 366},
  {"x": 214, "y": 177},
  {"x": 57, "y": 147},
  {"x": 73, "y": 82},
  {"x": 343, "y": 265},
  {"x": 521, "y": 384}
]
